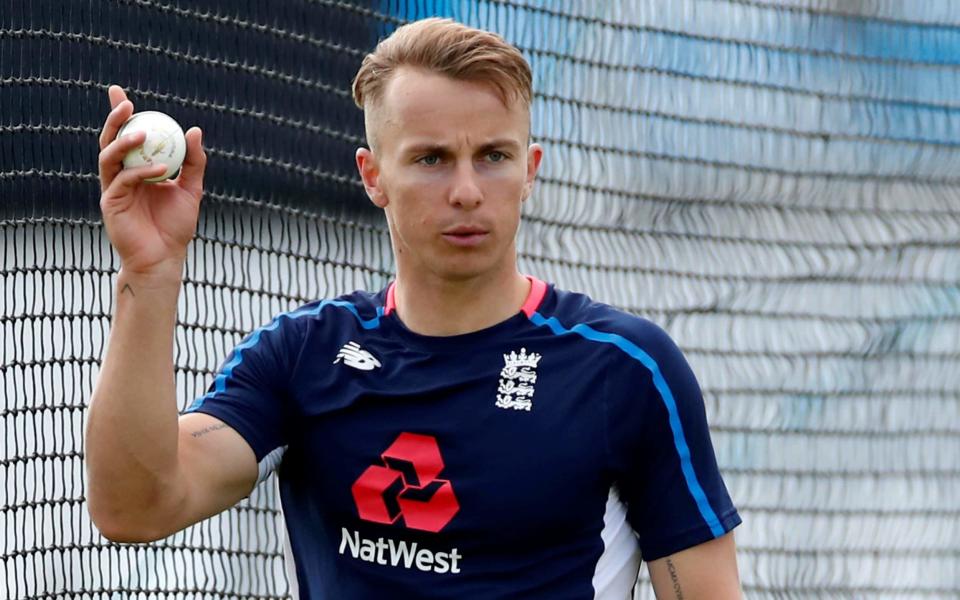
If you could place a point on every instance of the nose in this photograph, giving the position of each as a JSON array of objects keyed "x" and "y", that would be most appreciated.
[{"x": 465, "y": 191}]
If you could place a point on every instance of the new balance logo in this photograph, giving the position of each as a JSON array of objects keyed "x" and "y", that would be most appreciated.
[
  {"x": 407, "y": 485},
  {"x": 354, "y": 356}
]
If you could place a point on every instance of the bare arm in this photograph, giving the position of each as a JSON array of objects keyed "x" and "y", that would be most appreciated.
[
  {"x": 706, "y": 571},
  {"x": 151, "y": 473}
]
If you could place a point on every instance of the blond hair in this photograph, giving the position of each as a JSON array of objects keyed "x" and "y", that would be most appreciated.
[{"x": 449, "y": 48}]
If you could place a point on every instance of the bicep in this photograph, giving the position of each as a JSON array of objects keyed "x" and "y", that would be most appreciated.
[
  {"x": 668, "y": 474},
  {"x": 218, "y": 468},
  {"x": 707, "y": 570}
]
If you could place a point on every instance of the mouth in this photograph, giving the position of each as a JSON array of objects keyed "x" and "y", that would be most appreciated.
[{"x": 465, "y": 236}]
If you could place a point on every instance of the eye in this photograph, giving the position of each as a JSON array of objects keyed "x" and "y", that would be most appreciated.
[
  {"x": 429, "y": 160},
  {"x": 496, "y": 156}
]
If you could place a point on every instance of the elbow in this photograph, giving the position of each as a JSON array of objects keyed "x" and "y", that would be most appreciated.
[
  {"x": 126, "y": 535},
  {"x": 130, "y": 513},
  {"x": 126, "y": 527}
]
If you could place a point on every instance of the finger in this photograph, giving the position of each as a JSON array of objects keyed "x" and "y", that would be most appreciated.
[
  {"x": 115, "y": 120},
  {"x": 116, "y": 94},
  {"x": 194, "y": 164},
  {"x": 111, "y": 157},
  {"x": 127, "y": 180}
]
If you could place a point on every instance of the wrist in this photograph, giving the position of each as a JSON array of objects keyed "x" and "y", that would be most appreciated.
[{"x": 161, "y": 276}]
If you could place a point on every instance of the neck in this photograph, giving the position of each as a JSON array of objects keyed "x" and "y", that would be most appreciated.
[{"x": 438, "y": 307}]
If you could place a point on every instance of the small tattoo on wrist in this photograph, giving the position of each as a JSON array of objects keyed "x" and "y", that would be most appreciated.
[{"x": 126, "y": 287}]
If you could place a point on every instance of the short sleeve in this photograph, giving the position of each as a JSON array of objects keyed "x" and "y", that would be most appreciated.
[
  {"x": 668, "y": 474},
  {"x": 250, "y": 390}
]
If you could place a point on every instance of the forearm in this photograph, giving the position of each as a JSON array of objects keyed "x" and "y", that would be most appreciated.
[{"x": 132, "y": 429}]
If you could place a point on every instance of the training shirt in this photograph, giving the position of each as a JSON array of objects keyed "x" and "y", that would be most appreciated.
[{"x": 537, "y": 458}]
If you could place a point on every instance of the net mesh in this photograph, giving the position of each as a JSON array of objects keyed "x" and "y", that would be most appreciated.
[{"x": 775, "y": 183}]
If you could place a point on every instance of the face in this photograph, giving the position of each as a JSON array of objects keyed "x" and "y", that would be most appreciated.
[{"x": 450, "y": 165}]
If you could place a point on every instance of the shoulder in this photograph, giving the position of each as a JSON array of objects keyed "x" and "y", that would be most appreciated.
[
  {"x": 358, "y": 306},
  {"x": 601, "y": 323},
  {"x": 357, "y": 309}
]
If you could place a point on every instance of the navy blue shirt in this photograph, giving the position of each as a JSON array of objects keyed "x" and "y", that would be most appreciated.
[{"x": 538, "y": 458}]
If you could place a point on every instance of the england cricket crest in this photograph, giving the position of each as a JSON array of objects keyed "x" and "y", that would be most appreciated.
[{"x": 517, "y": 378}]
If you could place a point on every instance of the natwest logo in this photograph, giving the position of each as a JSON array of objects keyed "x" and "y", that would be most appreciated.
[{"x": 407, "y": 485}]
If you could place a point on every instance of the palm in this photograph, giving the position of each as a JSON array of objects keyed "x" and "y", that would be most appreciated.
[{"x": 154, "y": 223}]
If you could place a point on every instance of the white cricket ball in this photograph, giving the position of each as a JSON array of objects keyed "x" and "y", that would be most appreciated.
[{"x": 165, "y": 143}]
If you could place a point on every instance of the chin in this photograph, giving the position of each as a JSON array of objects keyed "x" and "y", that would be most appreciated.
[{"x": 463, "y": 270}]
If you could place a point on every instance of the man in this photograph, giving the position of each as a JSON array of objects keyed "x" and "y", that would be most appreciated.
[{"x": 468, "y": 432}]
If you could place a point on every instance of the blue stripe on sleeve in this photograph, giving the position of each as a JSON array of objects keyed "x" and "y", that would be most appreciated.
[
  {"x": 220, "y": 383},
  {"x": 679, "y": 440}
]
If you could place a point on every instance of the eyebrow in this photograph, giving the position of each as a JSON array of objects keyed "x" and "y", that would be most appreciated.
[
  {"x": 432, "y": 148},
  {"x": 506, "y": 143}
]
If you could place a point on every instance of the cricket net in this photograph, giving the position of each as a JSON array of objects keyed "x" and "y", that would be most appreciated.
[{"x": 777, "y": 184}]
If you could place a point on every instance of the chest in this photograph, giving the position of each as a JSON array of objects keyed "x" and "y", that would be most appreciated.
[{"x": 514, "y": 438}]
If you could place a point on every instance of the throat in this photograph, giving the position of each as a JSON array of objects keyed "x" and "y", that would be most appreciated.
[{"x": 456, "y": 308}]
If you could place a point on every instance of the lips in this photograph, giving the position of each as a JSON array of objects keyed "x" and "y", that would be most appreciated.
[{"x": 465, "y": 235}]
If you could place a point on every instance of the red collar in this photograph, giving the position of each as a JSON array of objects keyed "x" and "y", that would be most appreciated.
[{"x": 538, "y": 289}]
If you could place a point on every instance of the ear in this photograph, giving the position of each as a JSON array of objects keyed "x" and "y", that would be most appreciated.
[
  {"x": 370, "y": 174},
  {"x": 534, "y": 156}
]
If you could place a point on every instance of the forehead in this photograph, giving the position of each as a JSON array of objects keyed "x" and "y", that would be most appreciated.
[{"x": 422, "y": 104}]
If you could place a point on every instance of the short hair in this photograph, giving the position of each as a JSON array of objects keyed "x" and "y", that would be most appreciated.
[{"x": 449, "y": 48}]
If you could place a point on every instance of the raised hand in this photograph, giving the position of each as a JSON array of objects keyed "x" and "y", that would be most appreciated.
[{"x": 149, "y": 224}]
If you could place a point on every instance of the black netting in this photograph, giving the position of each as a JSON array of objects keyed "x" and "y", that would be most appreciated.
[{"x": 775, "y": 183}]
